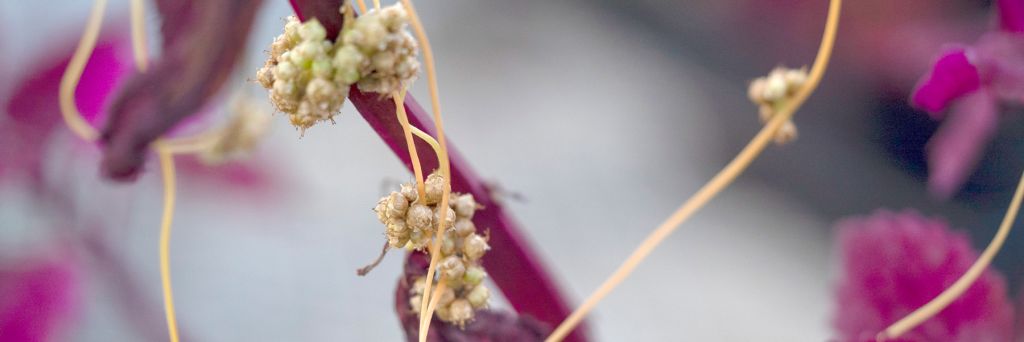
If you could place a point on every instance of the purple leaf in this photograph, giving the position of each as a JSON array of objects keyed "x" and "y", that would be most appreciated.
[
  {"x": 952, "y": 76},
  {"x": 33, "y": 107},
  {"x": 202, "y": 41},
  {"x": 514, "y": 266}
]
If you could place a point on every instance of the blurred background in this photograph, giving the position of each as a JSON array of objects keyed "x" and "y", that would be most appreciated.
[{"x": 597, "y": 117}]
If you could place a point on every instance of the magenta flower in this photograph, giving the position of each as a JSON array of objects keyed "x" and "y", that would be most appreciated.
[
  {"x": 39, "y": 298},
  {"x": 33, "y": 110},
  {"x": 973, "y": 80},
  {"x": 893, "y": 263}
]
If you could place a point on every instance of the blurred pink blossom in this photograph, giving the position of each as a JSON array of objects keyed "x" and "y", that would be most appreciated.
[
  {"x": 973, "y": 80},
  {"x": 33, "y": 116},
  {"x": 893, "y": 263},
  {"x": 39, "y": 298}
]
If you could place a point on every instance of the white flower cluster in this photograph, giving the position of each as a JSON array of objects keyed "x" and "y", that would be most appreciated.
[
  {"x": 379, "y": 48},
  {"x": 309, "y": 76},
  {"x": 770, "y": 93},
  {"x": 411, "y": 223},
  {"x": 299, "y": 74}
]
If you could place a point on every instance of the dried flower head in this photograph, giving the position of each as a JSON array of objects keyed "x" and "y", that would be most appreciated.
[
  {"x": 411, "y": 222},
  {"x": 772, "y": 92}
]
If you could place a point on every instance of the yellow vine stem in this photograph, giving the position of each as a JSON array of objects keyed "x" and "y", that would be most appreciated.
[
  {"x": 139, "y": 34},
  {"x": 68, "y": 83},
  {"x": 435, "y": 297},
  {"x": 167, "y": 169},
  {"x": 362, "y": 6},
  {"x": 427, "y": 138},
  {"x": 428, "y": 58},
  {"x": 414, "y": 158},
  {"x": 194, "y": 143},
  {"x": 719, "y": 182},
  {"x": 166, "y": 157},
  {"x": 376, "y": 5},
  {"x": 940, "y": 302}
]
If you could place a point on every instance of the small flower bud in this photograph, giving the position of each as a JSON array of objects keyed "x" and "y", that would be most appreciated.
[
  {"x": 396, "y": 205},
  {"x": 449, "y": 220},
  {"x": 460, "y": 311},
  {"x": 415, "y": 302},
  {"x": 419, "y": 285},
  {"x": 479, "y": 296},
  {"x": 447, "y": 297},
  {"x": 322, "y": 69},
  {"x": 419, "y": 217},
  {"x": 775, "y": 88},
  {"x": 434, "y": 188},
  {"x": 381, "y": 210},
  {"x": 756, "y": 89},
  {"x": 409, "y": 191},
  {"x": 312, "y": 30},
  {"x": 265, "y": 75},
  {"x": 474, "y": 275},
  {"x": 474, "y": 247},
  {"x": 464, "y": 227},
  {"x": 452, "y": 267},
  {"x": 448, "y": 243},
  {"x": 786, "y": 133},
  {"x": 291, "y": 28},
  {"x": 464, "y": 205}
]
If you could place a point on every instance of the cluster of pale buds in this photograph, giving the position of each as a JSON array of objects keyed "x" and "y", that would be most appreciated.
[
  {"x": 249, "y": 123},
  {"x": 411, "y": 223},
  {"x": 379, "y": 48},
  {"x": 309, "y": 76},
  {"x": 772, "y": 92}
]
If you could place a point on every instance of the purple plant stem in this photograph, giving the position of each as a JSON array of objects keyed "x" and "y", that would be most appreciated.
[{"x": 513, "y": 265}]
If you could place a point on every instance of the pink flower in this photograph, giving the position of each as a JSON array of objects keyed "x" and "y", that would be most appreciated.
[
  {"x": 37, "y": 297},
  {"x": 893, "y": 263},
  {"x": 973, "y": 80}
]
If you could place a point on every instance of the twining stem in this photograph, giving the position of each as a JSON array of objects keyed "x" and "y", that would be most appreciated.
[
  {"x": 435, "y": 297},
  {"x": 68, "y": 83},
  {"x": 78, "y": 125},
  {"x": 428, "y": 58},
  {"x": 426, "y": 138},
  {"x": 719, "y": 182},
  {"x": 194, "y": 143},
  {"x": 166, "y": 157},
  {"x": 362, "y": 7},
  {"x": 376, "y": 5},
  {"x": 167, "y": 169},
  {"x": 414, "y": 158},
  {"x": 961, "y": 285},
  {"x": 139, "y": 35}
]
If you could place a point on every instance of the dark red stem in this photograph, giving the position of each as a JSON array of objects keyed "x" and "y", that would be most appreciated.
[{"x": 511, "y": 262}]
